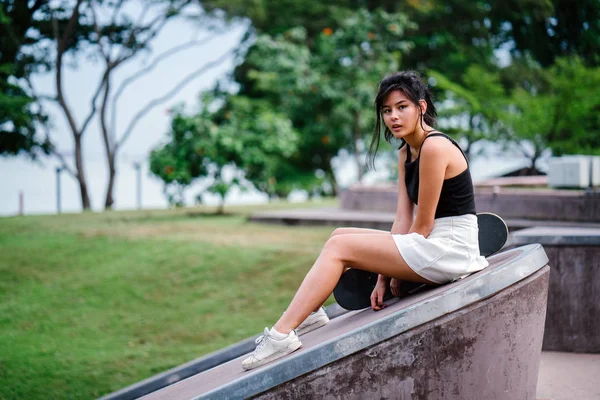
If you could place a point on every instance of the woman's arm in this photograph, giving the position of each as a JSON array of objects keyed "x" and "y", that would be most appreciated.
[
  {"x": 405, "y": 208},
  {"x": 435, "y": 158}
]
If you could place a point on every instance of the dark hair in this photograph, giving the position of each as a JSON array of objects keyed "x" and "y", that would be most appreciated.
[{"x": 413, "y": 87}]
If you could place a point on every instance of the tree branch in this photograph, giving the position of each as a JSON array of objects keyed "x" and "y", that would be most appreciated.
[
  {"x": 108, "y": 146},
  {"x": 98, "y": 90},
  {"x": 148, "y": 69},
  {"x": 61, "y": 48},
  {"x": 170, "y": 94},
  {"x": 117, "y": 9},
  {"x": 154, "y": 27},
  {"x": 105, "y": 54},
  {"x": 70, "y": 26}
]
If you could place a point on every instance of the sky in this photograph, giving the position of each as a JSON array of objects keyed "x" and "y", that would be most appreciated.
[{"x": 36, "y": 181}]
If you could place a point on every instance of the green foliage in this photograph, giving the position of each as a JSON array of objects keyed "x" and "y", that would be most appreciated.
[
  {"x": 326, "y": 89},
  {"x": 259, "y": 141},
  {"x": 548, "y": 30},
  {"x": 274, "y": 17},
  {"x": 549, "y": 108},
  {"x": 247, "y": 136},
  {"x": 17, "y": 119},
  {"x": 18, "y": 116},
  {"x": 473, "y": 110},
  {"x": 562, "y": 113}
]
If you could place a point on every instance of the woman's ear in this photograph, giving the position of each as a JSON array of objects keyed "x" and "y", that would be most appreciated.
[{"x": 423, "y": 105}]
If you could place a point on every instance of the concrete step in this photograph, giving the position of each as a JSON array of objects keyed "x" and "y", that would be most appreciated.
[{"x": 376, "y": 220}]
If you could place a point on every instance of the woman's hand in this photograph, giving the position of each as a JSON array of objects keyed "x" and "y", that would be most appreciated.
[
  {"x": 378, "y": 293},
  {"x": 395, "y": 285}
]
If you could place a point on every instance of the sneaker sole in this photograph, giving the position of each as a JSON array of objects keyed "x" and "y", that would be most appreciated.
[
  {"x": 312, "y": 327},
  {"x": 288, "y": 350}
]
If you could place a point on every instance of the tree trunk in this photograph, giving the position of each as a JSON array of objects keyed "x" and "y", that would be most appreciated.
[
  {"x": 109, "y": 200},
  {"x": 536, "y": 154},
  {"x": 85, "y": 198},
  {"x": 61, "y": 46},
  {"x": 329, "y": 174},
  {"x": 110, "y": 147},
  {"x": 221, "y": 207}
]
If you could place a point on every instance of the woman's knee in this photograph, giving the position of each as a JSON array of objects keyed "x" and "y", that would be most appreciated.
[
  {"x": 334, "y": 247},
  {"x": 336, "y": 232},
  {"x": 340, "y": 231}
]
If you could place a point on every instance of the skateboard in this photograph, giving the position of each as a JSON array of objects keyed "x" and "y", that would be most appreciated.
[{"x": 353, "y": 290}]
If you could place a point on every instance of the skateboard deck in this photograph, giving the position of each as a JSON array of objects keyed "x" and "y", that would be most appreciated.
[
  {"x": 493, "y": 233},
  {"x": 353, "y": 290}
]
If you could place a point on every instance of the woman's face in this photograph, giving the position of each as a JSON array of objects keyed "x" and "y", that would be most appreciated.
[{"x": 400, "y": 114}]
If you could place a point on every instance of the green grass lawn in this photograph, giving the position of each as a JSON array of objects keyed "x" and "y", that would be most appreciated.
[{"x": 90, "y": 303}]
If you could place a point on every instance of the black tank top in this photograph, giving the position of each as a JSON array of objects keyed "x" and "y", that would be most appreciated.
[{"x": 457, "y": 196}]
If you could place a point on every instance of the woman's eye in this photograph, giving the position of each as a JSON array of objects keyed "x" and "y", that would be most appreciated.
[
  {"x": 402, "y": 107},
  {"x": 386, "y": 111}
]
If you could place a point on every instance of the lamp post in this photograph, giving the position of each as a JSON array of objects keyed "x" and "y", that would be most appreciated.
[
  {"x": 58, "y": 171},
  {"x": 138, "y": 169}
]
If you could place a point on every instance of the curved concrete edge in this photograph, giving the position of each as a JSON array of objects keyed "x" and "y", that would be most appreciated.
[
  {"x": 197, "y": 366},
  {"x": 558, "y": 236},
  {"x": 531, "y": 259},
  {"x": 487, "y": 350}
]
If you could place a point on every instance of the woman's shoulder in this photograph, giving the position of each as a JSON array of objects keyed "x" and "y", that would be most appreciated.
[{"x": 436, "y": 143}]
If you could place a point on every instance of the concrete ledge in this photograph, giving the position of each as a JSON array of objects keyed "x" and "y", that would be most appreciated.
[
  {"x": 326, "y": 216},
  {"x": 573, "y": 316},
  {"x": 558, "y": 236},
  {"x": 357, "y": 331},
  {"x": 197, "y": 366},
  {"x": 337, "y": 217},
  {"x": 488, "y": 350},
  {"x": 556, "y": 205}
]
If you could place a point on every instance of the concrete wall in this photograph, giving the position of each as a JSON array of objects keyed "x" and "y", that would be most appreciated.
[
  {"x": 535, "y": 205},
  {"x": 541, "y": 206},
  {"x": 477, "y": 338},
  {"x": 489, "y": 350},
  {"x": 368, "y": 198},
  {"x": 573, "y": 316}
]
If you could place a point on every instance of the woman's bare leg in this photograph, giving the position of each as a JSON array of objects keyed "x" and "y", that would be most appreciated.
[
  {"x": 352, "y": 231},
  {"x": 367, "y": 251}
]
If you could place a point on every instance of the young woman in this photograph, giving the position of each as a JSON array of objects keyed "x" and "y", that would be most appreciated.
[{"x": 437, "y": 245}]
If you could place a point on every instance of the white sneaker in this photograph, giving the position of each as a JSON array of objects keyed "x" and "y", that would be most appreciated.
[
  {"x": 315, "y": 320},
  {"x": 270, "y": 349}
]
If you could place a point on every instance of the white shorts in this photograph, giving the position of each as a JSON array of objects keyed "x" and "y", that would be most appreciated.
[{"x": 449, "y": 253}]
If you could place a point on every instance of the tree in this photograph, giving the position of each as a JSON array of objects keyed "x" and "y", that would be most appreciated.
[
  {"x": 18, "y": 114},
  {"x": 109, "y": 31},
  {"x": 472, "y": 111},
  {"x": 18, "y": 119},
  {"x": 327, "y": 90},
  {"x": 115, "y": 41},
  {"x": 548, "y": 30},
  {"x": 365, "y": 47},
  {"x": 246, "y": 136},
  {"x": 561, "y": 113},
  {"x": 446, "y": 36}
]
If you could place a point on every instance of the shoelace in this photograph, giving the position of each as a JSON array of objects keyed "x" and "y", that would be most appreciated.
[{"x": 260, "y": 340}]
